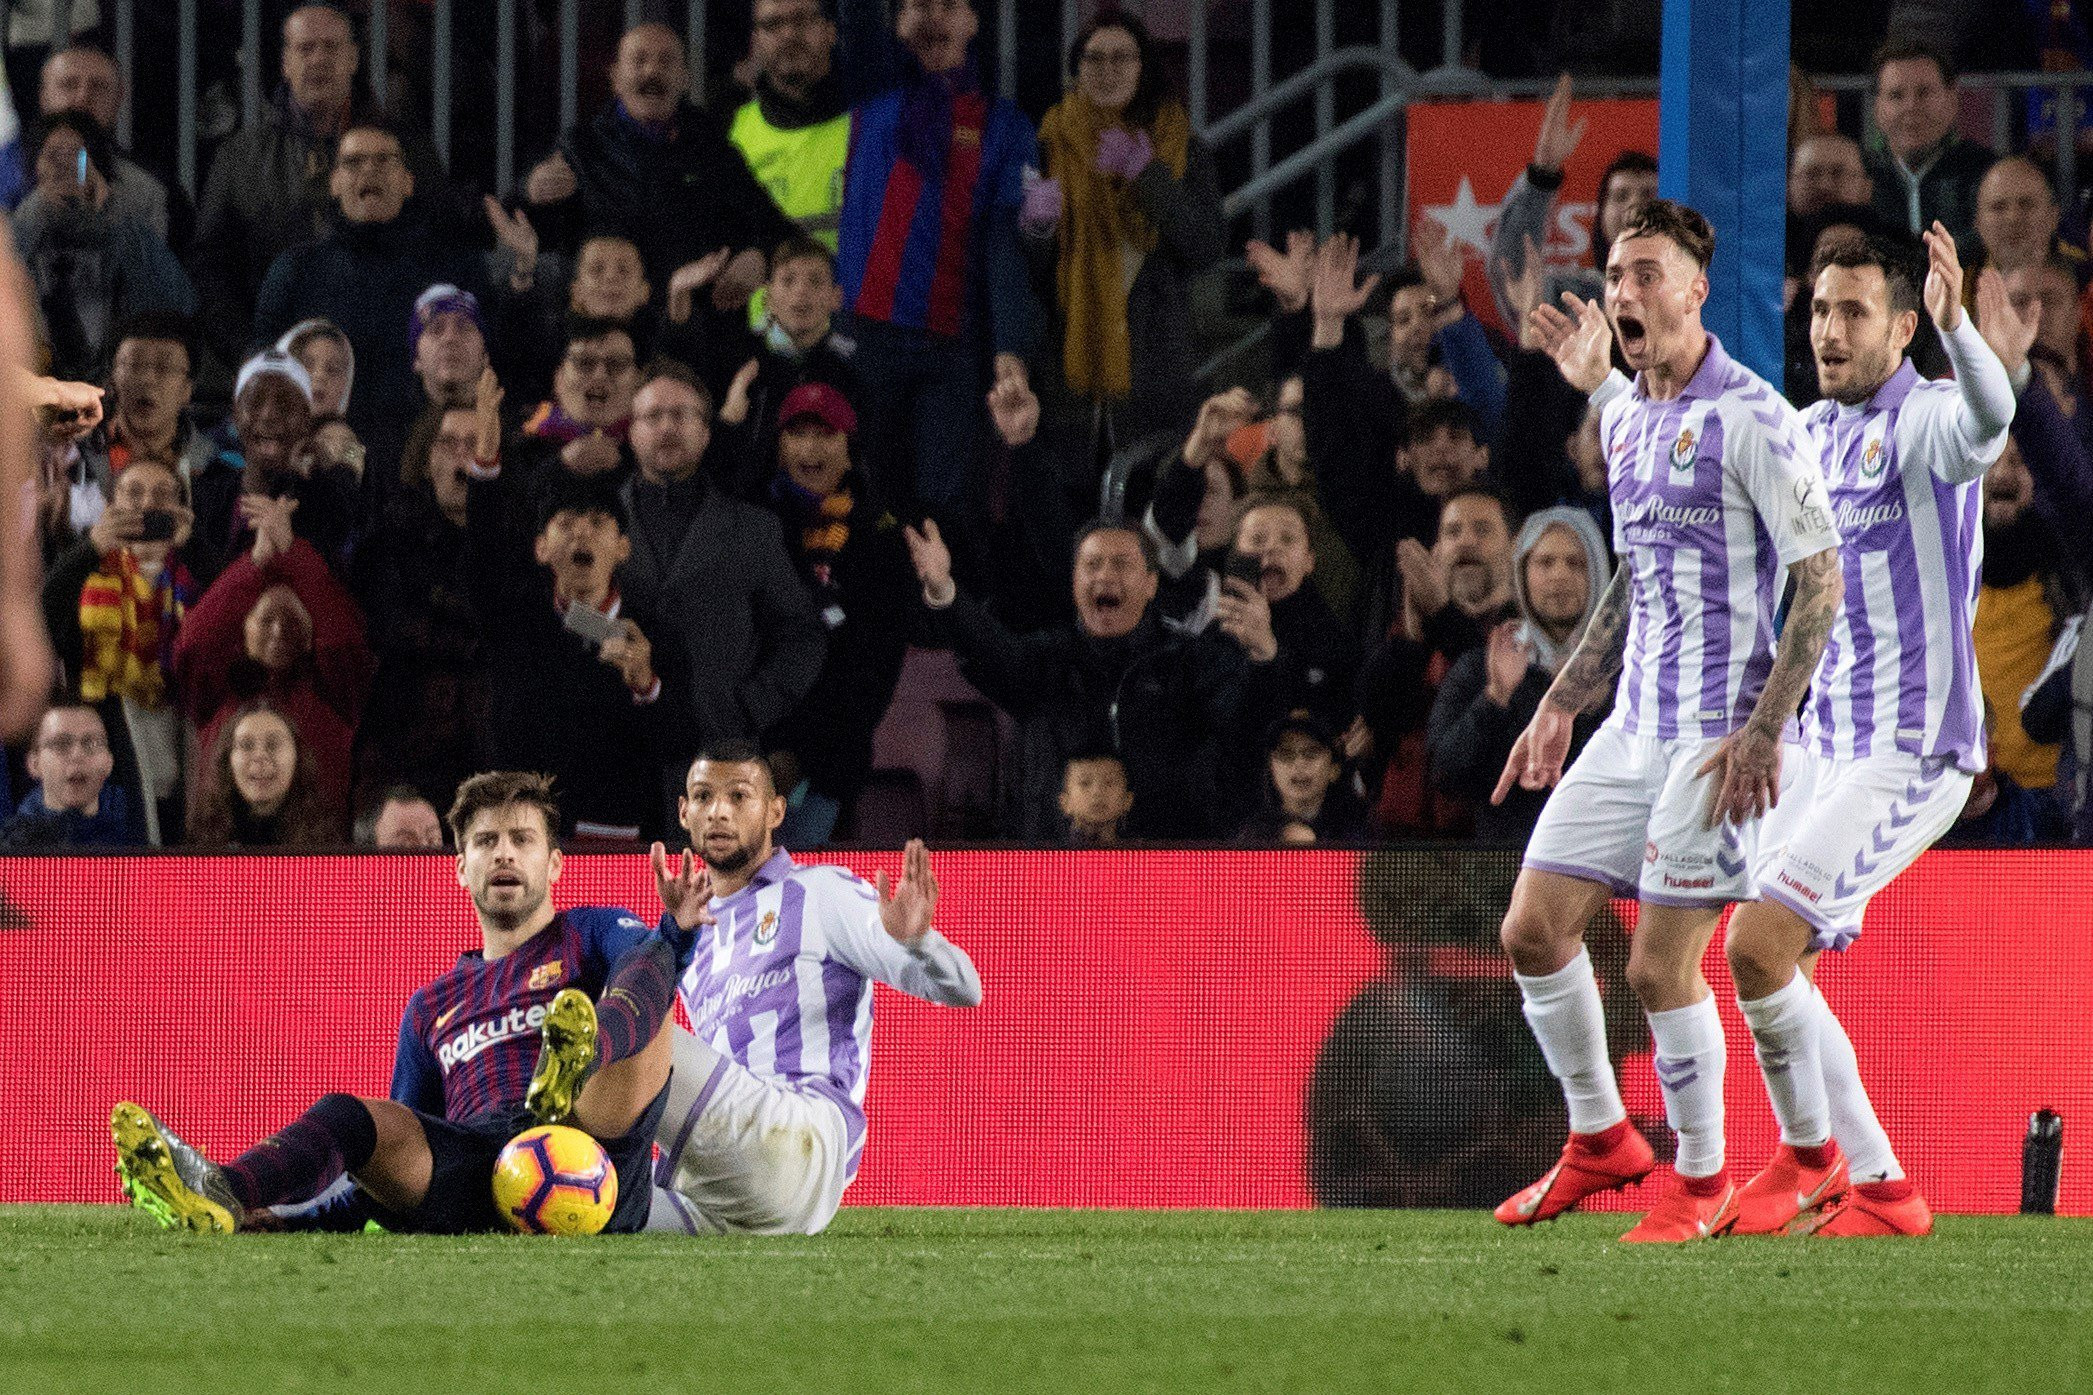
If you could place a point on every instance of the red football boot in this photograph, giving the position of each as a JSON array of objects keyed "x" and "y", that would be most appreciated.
[
  {"x": 1867, "y": 1212},
  {"x": 1787, "y": 1190},
  {"x": 1591, "y": 1163},
  {"x": 1685, "y": 1214}
]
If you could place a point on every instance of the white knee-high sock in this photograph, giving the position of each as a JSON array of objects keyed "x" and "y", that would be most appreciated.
[
  {"x": 1568, "y": 1020},
  {"x": 1690, "y": 1060},
  {"x": 1784, "y": 1031},
  {"x": 1853, "y": 1122}
]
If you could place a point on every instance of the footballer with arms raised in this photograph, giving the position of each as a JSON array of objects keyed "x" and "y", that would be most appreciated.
[
  {"x": 766, "y": 1116},
  {"x": 1716, "y": 493},
  {"x": 558, "y": 1017},
  {"x": 1897, "y": 714}
]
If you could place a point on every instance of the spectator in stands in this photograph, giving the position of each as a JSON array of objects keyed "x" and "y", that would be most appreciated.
[
  {"x": 1490, "y": 693},
  {"x": 269, "y": 189},
  {"x": 577, "y": 689},
  {"x": 1306, "y": 799},
  {"x": 1192, "y": 513},
  {"x": 1095, "y": 799},
  {"x": 366, "y": 272},
  {"x": 262, "y": 789},
  {"x": 73, "y": 803},
  {"x": 447, "y": 344},
  {"x": 931, "y": 296},
  {"x": 1137, "y": 215},
  {"x": 2051, "y": 285},
  {"x": 604, "y": 279},
  {"x": 329, "y": 361},
  {"x": 1826, "y": 169},
  {"x": 1628, "y": 183},
  {"x": 278, "y": 624},
  {"x": 93, "y": 264},
  {"x": 2016, "y": 220},
  {"x": 1921, "y": 168},
  {"x": 1117, "y": 680},
  {"x": 715, "y": 572},
  {"x": 426, "y": 721},
  {"x": 583, "y": 426},
  {"x": 400, "y": 820},
  {"x": 81, "y": 78},
  {"x": 1454, "y": 595},
  {"x": 113, "y": 605},
  {"x": 850, "y": 555},
  {"x": 800, "y": 345},
  {"x": 794, "y": 131},
  {"x": 147, "y": 415},
  {"x": 269, "y": 459},
  {"x": 661, "y": 168},
  {"x": 1306, "y": 659}
]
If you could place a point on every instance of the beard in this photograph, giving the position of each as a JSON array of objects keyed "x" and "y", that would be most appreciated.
[
  {"x": 732, "y": 862},
  {"x": 1867, "y": 371},
  {"x": 508, "y": 917}
]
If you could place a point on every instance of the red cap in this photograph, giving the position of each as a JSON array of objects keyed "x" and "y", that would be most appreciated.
[{"x": 821, "y": 401}]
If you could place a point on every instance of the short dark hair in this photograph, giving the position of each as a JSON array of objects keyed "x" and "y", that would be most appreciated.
[
  {"x": 801, "y": 248},
  {"x": 671, "y": 370},
  {"x": 1152, "y": 88},
  {"x": 498, "y": 789},
  {"x": 1483, "y": 489},
  {"x": 1089, "y": 751},
  {"x": 366, "y": 831},
  {"x": 565, "y": 492},
  {"x": 159, "y": 327},
  {"x": 1119, "y": 525},
  {"x": 1441, "y": 414},
  {"x": 1905, "y": 50},
  {"x": 1393, "y": 283},
  {"x": 735, "y": 750},
  {"x": 584, "y": 329},
  {"x": 1893, "y": 259},
  {"x": 382, "y": 125},
  {"x": 1686, "y": 227}
]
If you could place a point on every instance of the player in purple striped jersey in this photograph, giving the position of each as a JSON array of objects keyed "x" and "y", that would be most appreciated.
[
  {"x": 507, "y": 1038},
  {"x": 1716, "y": 492},
  {"x": 766, "y": 1116},
  {"x": 1897, "y": 714}
]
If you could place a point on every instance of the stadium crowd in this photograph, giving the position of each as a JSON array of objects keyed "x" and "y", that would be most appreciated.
[{"x": 700, "y": 431}]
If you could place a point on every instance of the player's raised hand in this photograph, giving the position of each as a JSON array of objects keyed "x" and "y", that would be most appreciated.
[
  {"x": 905, "y": 910},
  {"x": 1580, "y": 342},
  {"x": 1943, "y": 278},
  {"x": 1559, "y": 138},
  {"x": 685, "y": 887},
  {"x": 1749, "y": 766},
  {"x": 1540, "y": 753},
  {"x": 2009, "y": 336}
]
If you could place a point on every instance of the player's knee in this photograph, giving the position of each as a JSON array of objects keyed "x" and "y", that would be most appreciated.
[
  {"x": 1534, "y": 942},
  {"x": 1654, "y": 980},
  {"x": 1757, "y": 962}
]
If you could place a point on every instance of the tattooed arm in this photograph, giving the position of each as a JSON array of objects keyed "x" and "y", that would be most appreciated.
[
  {"x": 1541, "y": 751},
  {"x": 1750, "y": 757}
]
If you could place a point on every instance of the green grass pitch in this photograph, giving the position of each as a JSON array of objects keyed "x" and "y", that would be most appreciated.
[{"x": 93, "y": 1299}]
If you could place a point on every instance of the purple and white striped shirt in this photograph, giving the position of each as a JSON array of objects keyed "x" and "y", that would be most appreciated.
[
  {"x": 1904, "y": 468},
  {"x": 783, "y": 982},
  {"x": 1715, "y": 493}
]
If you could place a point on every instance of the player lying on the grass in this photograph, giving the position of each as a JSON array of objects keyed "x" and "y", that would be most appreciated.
[
  {"x": 507, "y": 1038},
  {"x": 1898, "y": 715},
  {"x": 766, "y": 1116},
  {"x": 1716, "y": 492}
]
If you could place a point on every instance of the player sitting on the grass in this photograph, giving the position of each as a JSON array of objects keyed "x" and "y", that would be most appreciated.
[
  {"x": 463, "y": 1082},
  {"x": 766, "y": 1116},
  {"x": 1898, "y": 713}
]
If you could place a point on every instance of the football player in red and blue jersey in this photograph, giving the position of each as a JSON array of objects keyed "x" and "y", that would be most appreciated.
[{"x": 558, "y": 1017}]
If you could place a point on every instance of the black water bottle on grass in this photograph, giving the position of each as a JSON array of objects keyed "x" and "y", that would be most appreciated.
[{"x": 2041, "y": 1162}]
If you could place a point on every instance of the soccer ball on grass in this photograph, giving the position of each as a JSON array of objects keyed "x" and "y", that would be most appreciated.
[{"x": 553, "y": 1180}]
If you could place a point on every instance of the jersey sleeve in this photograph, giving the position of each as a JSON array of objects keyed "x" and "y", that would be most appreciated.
[
  {"x": 607, "y": 933},
  {"x": 934, "y": 969},
  {"x": 1772, "y": 456},
  {"x": 417, "y": 1081},
  {"x": 1958, "y": 428}
]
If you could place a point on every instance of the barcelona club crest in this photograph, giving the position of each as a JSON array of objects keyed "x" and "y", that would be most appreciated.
[
  {"x": 767, "y": 928},
  {"x": 1682, "y": 450},
  {"x": 546, "y": 975}
]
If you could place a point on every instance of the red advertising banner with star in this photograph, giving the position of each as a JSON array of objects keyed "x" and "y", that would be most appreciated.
[
  {"x": 1463, "y": 157},
  {"x": 1167, "y": 1028}
]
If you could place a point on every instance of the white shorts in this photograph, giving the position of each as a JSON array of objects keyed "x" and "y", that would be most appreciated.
[
  {"x": 1862, "y": 823},
  {"x": 1631, "y": 814},
  {"x": 741, "y": 1153}
]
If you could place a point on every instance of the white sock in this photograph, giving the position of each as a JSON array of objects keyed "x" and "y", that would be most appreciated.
[
  {"x": 1784, "y": 1031},
  {"x": 1690, "y": 1059},
  {"x": 1853, "y": 1121},
  {"x": 1568, "y": 1020}
]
